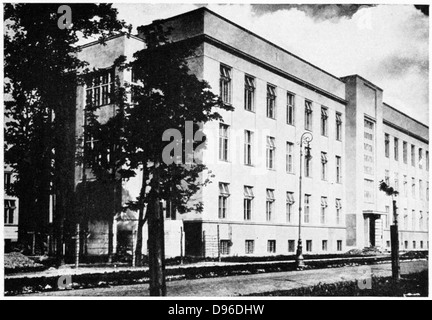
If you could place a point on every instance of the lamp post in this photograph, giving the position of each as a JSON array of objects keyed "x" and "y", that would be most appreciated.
[{"x": 306, "y": 138}]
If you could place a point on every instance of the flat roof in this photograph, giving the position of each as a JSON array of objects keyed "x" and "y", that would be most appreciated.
[{"x": 405, "y": 115}]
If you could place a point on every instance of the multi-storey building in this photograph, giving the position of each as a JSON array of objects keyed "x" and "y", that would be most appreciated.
[
  {"x": 11, "y": 205},
  {"x": 252, "y": 206}
]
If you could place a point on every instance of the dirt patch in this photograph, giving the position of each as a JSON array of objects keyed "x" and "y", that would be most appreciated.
[{"x": 16, "y": 261}]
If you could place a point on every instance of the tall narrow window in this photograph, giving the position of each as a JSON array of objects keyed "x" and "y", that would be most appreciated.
[
  {"x": 338, "y": 211},
  {"x": 421, "y": 189},
  {"x": 308, "y": 245},
  {"x": 324, "y": 206},
  {"x": 427, "y": 190},
  {"x": 247, "y": 202},
  {"x": 406, "y": 218},
  {"x": 290, "y": 108},
  {"x": 413, "y": 155},
  {"x": 249, "y": 246},
  {"x": 269, "y": 204},
  {"x": 9, "y": 211},
  {"x": 387, "y": 177},
  {"x": 270, "y": 152},
  {"x": 289, "y": 207},
  {"x": 338, "y": 169},
  {"x": 396, "y": 149},
  {"x": 339, "y": 245},
  {"x": 420, "y": 158},
  {"x": 413, "y": 187},
  {"x": 405, "y": 152},
  {"x": 306, "y": 207},
  {"x": 387, "y": 216},
  {"x": 420, "y": 220},
  {"x": 271, "y": 246},
  {"x": 324, "y": 121},
  {"x": 223, "y": 142},
  {"x": 7, "y": 181},
  {"x": 308, "y": 166},
  {"x": 225, "y": 84},
  {"x": 248, "y": 147},
  {"x": 387, "y": 145},
  {"x": 223, "y": 200},
  {"x": 405, "y": 186},
  {"x": 413, "y": 223},
  {"x": 271, "y": 102},
  {"x": 427, "y": 160},
  {"x": 249, "y": 93},
  {"x": 396, "y": 181},
  {"x": 338, "y": 126},
  {"x": 308, "y": 115},
  {"x": 290, "y": 157},
  {"x": 324, "y": 166}
]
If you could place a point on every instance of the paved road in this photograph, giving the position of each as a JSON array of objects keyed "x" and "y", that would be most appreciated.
[{"x": 249, "y": 284}]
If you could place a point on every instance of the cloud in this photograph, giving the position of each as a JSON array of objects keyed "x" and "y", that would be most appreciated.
[{"x": 386, "y": 44}]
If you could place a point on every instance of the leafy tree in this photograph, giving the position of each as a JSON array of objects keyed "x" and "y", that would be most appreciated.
[
  {"x": 41, "y": 66},
  {"x": 166, "y": 97}
]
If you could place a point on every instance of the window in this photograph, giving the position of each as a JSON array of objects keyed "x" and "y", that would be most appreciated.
[
  {"x": 291, "y": 245},
  {"x": 414, "y": 245},
  {"x": 290, "y": 157},
  {"x": 249, "y": 93},
  {"x": 427, "y": 160},
  {"x": 338, "y": 126},
  {"x": 248, "y": 147},
  {"x": 247, "y": 202},
  {"x": 324, "y": 121},
  {"x": 396, "y": 181},
  {"x": 369, "y": 190},
  {"x": 7, "y": 181},
  {"x": 225, "y": 247},
  {"x": 99, "y": 87},
  {"x": 9, "y": 211},
  {"x": 223, "y": 199},
  {"x": 420, "y": 158},
  {"x": 421, "y": 244},
  {"x": 413, "y": 187},
  {"x": 308, "y": 115},
  {"x": 405, "y": 219},
  {"x": 338, "y": 169},
  {"x": 324, "y": 166},
  {"x": 405, "y": 152},
  {"x": 290, "y": 108},
  {"x": 338, "y": 211},
  {"x": 271, "y": 246},
  {"x": 387, "y": 216},
  {"x": 421, "y": 220},
  {"x": 225, "y": 84},
  {"x": 405, "y": 186},
  {"x": 306, "y": 207},
  {"x": 396, "y": 149},
  {"x": 249, "y": 246},
  {"x": 413, "y": 155},
  {"x": 413, "y": 223},
  {"x": 406, "y": 244},
  {"x": 324, "y": 206},
  {"x": 324, "y": 245},
  {"x": 339, "y": 245},
  {"x": 269, "y": 204},
  {"x": 289, "y": 206},
  {"x": 421, "y": 189},
  {"x": 271, "y": 102},
  {"x": 308, "y": 166},
  {"x": 271, "y": 150},
  {"x": 388, "y": 244},
  {"x": 308, "y": 245},
  {"x": 387, "y": 177},
  {"x": 427, "y": 190},
  {"x": 387, "y": 145},
  {"x": 223, "y": 142}
]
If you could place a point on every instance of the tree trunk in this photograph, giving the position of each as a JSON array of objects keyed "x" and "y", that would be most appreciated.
[
  {"x": 156, "y": 242},
  {"x": 141, "y": 221}
]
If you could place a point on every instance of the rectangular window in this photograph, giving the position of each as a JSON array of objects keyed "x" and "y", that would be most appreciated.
[
  {"x": 225, "y": 84},
  {"x": 307, "y": 208},
  {"x": 387, "y": 145},
  {"x": 291, "y": 245},
  {"x": 308, "y": 166},
  {"x": 271, "y": 101},
  {"x": 223, "y": 199},
  {"x": 269, "y": 204},
  {"x": 338, "y": 126},
  {"x": 308, "y": 115},
  {"x": 225, "y": 247},
  {"x": 414, "y": 245},
  {"x": 406, "y": 244},
  {"x": 99, "y": 87},
  {"x": 405, "y": 218},
  {"x": 249, "y": 93},
  {"x": 289, "y": 206},
  {"x": 369, "y": 191},
  {"x": 324, "y": 121},
  {"x": 405, "y": 152},
  {"x": 290, "y": 157},
  {"x": 420, "y": 158},
  {"x": 271, "y": 246},
  {"x": 324, "y": 206},
  {"x": 388, "y": 244},
  {"x": 396, "y": 148},
  {"x": 421, "y": 189},
  {"x": 248, "y": 147},
  {"x": 421, "y": 220},
  {"x": 324, "y": 166},
  {"x": 338, "y": 211},
  {"x": 396, "y": 181},
  {"x": 249, "y": 246},
  {"x": 223, "y": 142},
  {"x": 387, "y": 177},
  {"x": 290, "y": 108},
  {"x": 421, "y": 244},
  {"x": 308, "y": 245},
  {"x": 413, "y": 223},
  {"x": 247, "y": 202},
  {"x": 405, "y": 186},
  {"x": 338, "y": 169},
  {"x": 324, "y": 245},
  {"x": 413, "y": 188},
  {"x": 427, "y": 160},
  {"x": 270, "y": 153},
  {"x": 413, "y": 155},
  {"x": 7, "y": 181},
  {"x": 427, "y": 190},
  {"x": 339, "y": 245},
  {"x": 9, "y": 211},
  {"x": 387, "y": 221}
]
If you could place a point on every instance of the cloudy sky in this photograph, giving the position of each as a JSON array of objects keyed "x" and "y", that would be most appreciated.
[{"x": 386, "y": 44}]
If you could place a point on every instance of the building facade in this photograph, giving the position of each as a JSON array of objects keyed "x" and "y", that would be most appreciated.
[
  {"x": 252, "y": 206},
  {"x": 11, "y": 207}
]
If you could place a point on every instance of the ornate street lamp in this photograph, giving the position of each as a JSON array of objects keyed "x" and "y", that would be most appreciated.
[{"x": 306, "y": 138}]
